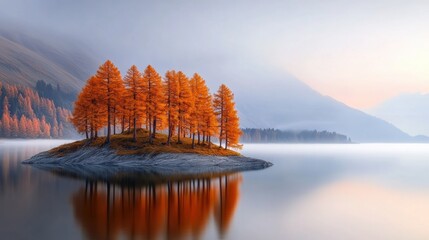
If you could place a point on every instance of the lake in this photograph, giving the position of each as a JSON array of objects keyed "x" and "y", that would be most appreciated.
[{"x": 315, "y": 191}]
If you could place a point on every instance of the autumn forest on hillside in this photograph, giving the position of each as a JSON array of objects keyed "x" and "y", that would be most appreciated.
[
  {"x": 176, "y": 105},
  {"x": 29, "y": 113}
]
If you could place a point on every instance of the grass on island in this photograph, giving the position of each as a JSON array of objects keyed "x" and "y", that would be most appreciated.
[{"x": 124, "y": 145}]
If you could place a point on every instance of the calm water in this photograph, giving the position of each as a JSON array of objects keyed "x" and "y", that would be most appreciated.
[{"x": 362, "y": 191}]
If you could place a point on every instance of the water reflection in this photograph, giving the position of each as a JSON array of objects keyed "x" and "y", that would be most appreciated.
[
  {"x": 356, "y": 191},
  {"x": 171, "y": 210},
  {"x": 13, "y": 175}
]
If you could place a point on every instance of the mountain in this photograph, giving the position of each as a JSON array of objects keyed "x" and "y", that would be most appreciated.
[
  {"x": 26, "y": 58},
  {"x": 273, "y": 99},
  {"x": 410, "y": 112},
  {"x": 40, "y": 76},
  {"x": 265, "y": 97}
]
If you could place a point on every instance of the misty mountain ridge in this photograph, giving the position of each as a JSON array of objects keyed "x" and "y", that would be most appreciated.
[
  {"x": 275, "y": 99},
  {"x": 408, "y": 111},
  {"x": 279, "y": 100},
  {"x": 25, "y": 59}
]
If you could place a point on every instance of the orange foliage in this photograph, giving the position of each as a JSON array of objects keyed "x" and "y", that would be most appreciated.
[
  {"x": 24, "y": 114},
  {"x": 154, "y": 100},
  {"x": 136, "y": 98},
  {"x": 227, "y": 117},
  {"x": 176, "y": 103},
  {"x": 112, "y": 88},
  {"x": 203, "y": 114},
  {"x": 184, "y": 104},
  {"x": 171, "y": 96},
  {"x": 89, "y": 114}
]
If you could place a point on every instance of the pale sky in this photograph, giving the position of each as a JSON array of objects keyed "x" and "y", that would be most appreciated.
[{"x": 358, "y": 52}]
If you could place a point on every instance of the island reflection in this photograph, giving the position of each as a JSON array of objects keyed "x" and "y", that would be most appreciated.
[{"x": 170, "y": 210}]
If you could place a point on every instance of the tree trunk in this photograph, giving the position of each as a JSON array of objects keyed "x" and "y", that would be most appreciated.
[
  {"x": 178, "y": 133},
  {"x": 149, "y": 121},
  {"x": 154, "y": 127},
  {"x": 169, "y": 129},
  {"x": 152, "y": 136},
  {"x": 226, "y": 140},
  {"x": 123, "y": 124},
  {"x": 86, "y": 127},
  {"x": 199, "y": 142},
  {"x": 220, "y": 136},
  {"x": 108, "y": 118},
  {"x": 193, "y": 140},
  {"x": 210, "y": 142},
  {"x": 135, "y": 129},
  {"x": 114, "y": 121}
]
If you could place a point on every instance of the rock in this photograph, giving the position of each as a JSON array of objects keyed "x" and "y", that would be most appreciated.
[{"x": 92, "y": 161}]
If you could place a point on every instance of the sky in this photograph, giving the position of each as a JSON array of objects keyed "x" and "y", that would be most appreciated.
[{"x": 358, "y": 52}]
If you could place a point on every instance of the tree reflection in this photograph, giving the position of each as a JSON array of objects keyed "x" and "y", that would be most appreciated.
[{"x": 180, "y": 209}]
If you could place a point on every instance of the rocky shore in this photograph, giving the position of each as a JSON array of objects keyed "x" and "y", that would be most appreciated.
[{"x": 160, "y": 163}]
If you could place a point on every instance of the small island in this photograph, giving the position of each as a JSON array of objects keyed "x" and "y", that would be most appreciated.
[
  {"x": 92, "y": 157},
  {"x": 165, "y": 126}
]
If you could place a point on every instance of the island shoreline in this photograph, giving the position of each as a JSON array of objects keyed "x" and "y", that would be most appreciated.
[{"x": 158, "y": 163}]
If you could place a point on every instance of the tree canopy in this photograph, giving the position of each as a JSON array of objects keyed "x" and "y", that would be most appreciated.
[{"x": 183, "y": 106}]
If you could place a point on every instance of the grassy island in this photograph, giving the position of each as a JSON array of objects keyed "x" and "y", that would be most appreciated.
[{"x": 123, "y": 144}]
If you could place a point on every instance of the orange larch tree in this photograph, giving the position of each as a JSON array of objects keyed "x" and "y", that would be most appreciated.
[
  {"x": 89, "y": 113},
  {"x": 229, "y": 127},
  {"x": 119, "y": 109},
  {"x": 80, "y": 118},
  {"x": 184, "y": 104},
  {"x": 154, "y": 107},
  {"x": 175, "y": 102},
  {"x": 136, "y": 98},
  {"x": 171, "y": 95},
  {"x": 96, "y": 102},
  {"x": 197, "y": 85},
  {"x": 203, "y": 109},
  {"x": 111, "y": 87},
  {"x": 210, "y": 124}
]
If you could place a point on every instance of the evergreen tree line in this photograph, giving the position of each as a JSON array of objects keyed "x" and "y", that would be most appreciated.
[
  {"x": 180, "y": 105},
  {"x": 56, "y": 94},
  {"x": 271, "y": 135},
  {"x": 25, "y": 114}
]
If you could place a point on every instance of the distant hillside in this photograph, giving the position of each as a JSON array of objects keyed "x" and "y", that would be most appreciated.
[
  {"x": 270, "y": 135},
  {"x": 25, "y": 114},
  {"x": 39, "y": 81},
  {"x": 277, "y": 100},
  {"x": 410, "y": 112},
  {"x": 25, "y": 59}
]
